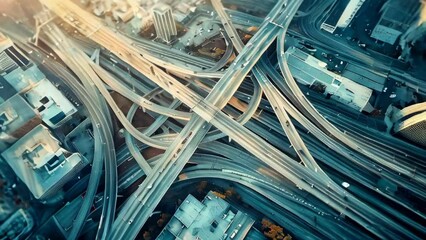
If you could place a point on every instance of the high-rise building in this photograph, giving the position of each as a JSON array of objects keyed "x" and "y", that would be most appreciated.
[
  {"x": 164, "y": 23},
  {"x": 341, "y": 15}
]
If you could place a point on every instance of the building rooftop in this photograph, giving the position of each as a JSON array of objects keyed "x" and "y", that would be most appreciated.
[
  {"x": 161, "y": 8},
  {"x": 81, "y": 139},
  {"x": 11, "y": 58},
  {"x": 210, "y": 219},
  {"x": 362, "y": 76},
  {"x": 6, "y": 90},
  {"x": 17, "y": 225},
  {"x": 17, "y": 118},
  {"x": 24, "y": 79},
  {"x": 5, "y": 42},
  {"x": 18, "y": 74},
  {"x": 312, "y": 72},
  {"x": 53, "y": 106},
  {"x": 397, "y": 16},
  {"x": 341, "y": 14},
  {"x": 413, "y": 128},
  {"x": 40, "y": 162}
]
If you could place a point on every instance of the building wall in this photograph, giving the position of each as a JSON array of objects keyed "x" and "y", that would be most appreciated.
[{"x": 349, "y": 13}]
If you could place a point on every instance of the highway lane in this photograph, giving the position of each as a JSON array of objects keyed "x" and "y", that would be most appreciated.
[
  {"x": 148, "y": 132},
  {"x": 275, "y": 99},
  {"x": 269, "y": 90},
  {"x": 217, "y": 135},
  {"x": 85, "y": 62},
  {"x": 364, "y": 148},
  {"x": 316, "y": 186},
  {"x": 401, "y": 149},
  {"x": 261, "y": 153},
  {"x": 175, "y": 68},
  {"x": 337, "y": 146},
  {"x": 172, "y": 55},
  {"x": 326, "y": 157},
  {"x": 103, "y": 91},
  {"x": 113, "y": 66},
  {"x": 277, "y": 79},
  {"x": 123, "y": 119},
  {"x": 298, "y": 144},
  {"x": 65, "y": 51},
  {"x": 357, "y": 174},
  {"x": 228, "y": 25},
  {"x": 224, "y": 120},
  {"x": 141, "y": 101},
  {"x": 229, "y": 51},
  {"x": 102, "y": 134},
  {"x": 176, "y": 57},
  {"x": 243, "y": 19},
  {"x": 291, "y": 202},
  {"x": 236, "y": 167},
  {"x": 212, "y": 162},
  {"x": 347, "y": 171},
  {"x": 212, "y": 135},
  {"x": 244, "y": 117},
  {"x": 197, "y": 123},
  {"x": 372, "y": 61},
  {"x": 103, "y": 147},
  {"x": 239, "y": 156}
]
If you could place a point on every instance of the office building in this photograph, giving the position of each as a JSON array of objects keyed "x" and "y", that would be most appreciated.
[
  {"x": 212, "y": 218},
  {"x": 11, "y": 58},
  {"x": 359, "y": 74},
  {"x": 397, "y": 16},
  {"x": 310, "y": 71},
  {"x": 341, "y": 14},
  {"x": 19, "y": 75},
  {"x": 41, "y": 163},
  {"x": 15, "y": 68},
  {"x": 17, "y": 118},
  {"x": 17, "y": 226},
  {"x": 6, "y": 90},
  {"x": 81, "y": 139},
  {"x": 164, "y": 23},
  {"x": 54, "y": 107},
  {"x": 60, "y": 224}
]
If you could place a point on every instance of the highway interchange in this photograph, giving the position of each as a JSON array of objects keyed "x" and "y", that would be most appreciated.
[{"x": 281, "y": 147}]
